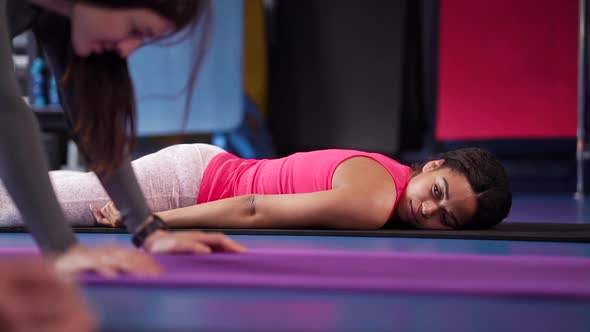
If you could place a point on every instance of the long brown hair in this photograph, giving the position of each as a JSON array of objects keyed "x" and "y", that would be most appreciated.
[{"x": 100, "y": 91}]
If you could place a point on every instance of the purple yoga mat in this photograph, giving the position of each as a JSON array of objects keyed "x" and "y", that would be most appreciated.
[
  {"x": 373, "y": 271},
  {"x": 369, "y": 271}
]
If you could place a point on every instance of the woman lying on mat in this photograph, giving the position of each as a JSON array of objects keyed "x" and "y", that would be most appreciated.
[
  {"x": 87, "y": 43},
  {"x": 341, "y": 189}
]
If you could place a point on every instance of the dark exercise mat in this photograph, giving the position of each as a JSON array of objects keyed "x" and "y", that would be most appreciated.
[{"x": 516, "y": 231}]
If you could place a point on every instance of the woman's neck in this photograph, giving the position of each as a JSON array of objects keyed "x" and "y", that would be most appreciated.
[{"x": 62, "y": 7}]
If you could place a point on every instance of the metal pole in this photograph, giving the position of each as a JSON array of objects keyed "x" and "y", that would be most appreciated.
[{"x": 582, "y": 52}]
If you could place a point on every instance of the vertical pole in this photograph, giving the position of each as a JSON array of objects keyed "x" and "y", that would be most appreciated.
[
  {"x": 429, "y": 28},
  {"x": 582, "y": 63}
]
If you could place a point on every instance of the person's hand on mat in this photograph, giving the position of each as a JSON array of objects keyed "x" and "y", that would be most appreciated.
[
  {"x": 108, "y": 215},
  {"x": 108, "y": 261},
  {"x": 190, "y": 242},
  {"x": 168, "y": 242},
  {"x": 34, "y": 298}
]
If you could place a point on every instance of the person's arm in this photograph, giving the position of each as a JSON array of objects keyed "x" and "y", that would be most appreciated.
[
  {"x": 124, "y": 190},
  {"x": 24, "y": 172},
  {"x": 336, "y": 208},
  {"x": 34, "y": 298},
  {"x": 53, "y": 32},
  {"x": 23, "y": 164},
  {"x": 362, "y": 198}
]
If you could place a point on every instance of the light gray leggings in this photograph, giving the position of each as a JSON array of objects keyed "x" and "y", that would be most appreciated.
[{"x": 169, "y": 179}]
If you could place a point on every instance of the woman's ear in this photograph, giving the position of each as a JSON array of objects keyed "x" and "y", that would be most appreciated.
[{"x": 432, "y": 165}]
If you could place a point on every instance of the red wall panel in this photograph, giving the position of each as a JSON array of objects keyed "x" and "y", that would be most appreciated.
[{"x": 507, "y": 69}]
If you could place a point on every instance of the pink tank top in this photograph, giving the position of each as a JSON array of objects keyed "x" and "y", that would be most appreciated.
[{"x": 228, "y": 175}]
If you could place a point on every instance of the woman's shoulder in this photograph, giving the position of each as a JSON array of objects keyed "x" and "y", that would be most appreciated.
[
  {"x": 369, "y": 165},
  {"x": 346, "y": 154},
  {"x": 337, "y": 153}
]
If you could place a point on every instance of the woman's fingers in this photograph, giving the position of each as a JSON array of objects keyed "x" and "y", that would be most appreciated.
[
  {"x": 105, "y": 215},
  {"x": 104, "y": 210},
  {"x": 191, "y": 242},
  {"x": 96, "y": 214},
  {"x": 179, "y": 245},
  {"x": 218, "y": 242},
  {"x": 113, "y": 214},
  {"x": 106, "y": 271},
  {"x": 107, "y": 261},
  {"x": 133, "y": 261},
  {"x": 186, "y": 245}
]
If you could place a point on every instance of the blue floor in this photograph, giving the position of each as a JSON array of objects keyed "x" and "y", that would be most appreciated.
[
  {"x": 248, "y": 309},
  {"x": 181, "y": 309},
  {"x": 560, "y": 208},
  {"x": 240, "y": 309}
]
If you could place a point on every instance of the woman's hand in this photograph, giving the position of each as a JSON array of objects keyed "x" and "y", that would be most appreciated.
[
  {"x": 108, "y": 215},
  {"x": 190, "y": 242},
  {"x": 108, "y": 261},
  {"x": 34, "y": 298}
]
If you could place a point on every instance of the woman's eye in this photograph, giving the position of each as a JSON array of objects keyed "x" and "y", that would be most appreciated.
[{"x": 436, "y": 191}]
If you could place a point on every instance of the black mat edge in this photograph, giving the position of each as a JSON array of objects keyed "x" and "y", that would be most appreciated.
[{"x": 514, "y": 231}]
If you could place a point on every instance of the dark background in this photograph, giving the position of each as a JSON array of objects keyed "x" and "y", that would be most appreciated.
[{"x": 412, "y": 78}]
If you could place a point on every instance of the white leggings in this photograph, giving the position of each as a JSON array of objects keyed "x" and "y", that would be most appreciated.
[{"x": 169, "y": 179}]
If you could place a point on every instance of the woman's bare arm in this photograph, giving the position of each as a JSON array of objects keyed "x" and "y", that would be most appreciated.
[{"x": 362, "y": 197}]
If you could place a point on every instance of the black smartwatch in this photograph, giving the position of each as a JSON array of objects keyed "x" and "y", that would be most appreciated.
[{"x": 155, "y": 223}]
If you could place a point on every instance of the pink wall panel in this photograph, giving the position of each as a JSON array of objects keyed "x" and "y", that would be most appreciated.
[{"x": 507, "y": 69}]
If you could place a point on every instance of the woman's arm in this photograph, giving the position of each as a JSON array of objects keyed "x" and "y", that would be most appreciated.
[
  {"x": 123, "y": 188},
  {"x": 362, "y": 198},
  {"x": 325, "y": 209},
  {"x": 23, "y": 165}
]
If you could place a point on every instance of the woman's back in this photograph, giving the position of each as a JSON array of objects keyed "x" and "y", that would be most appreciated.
[{"x": 230, "y": 176}]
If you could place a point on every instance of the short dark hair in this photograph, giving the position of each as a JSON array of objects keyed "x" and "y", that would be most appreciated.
[{"x": 488, "y": 180}]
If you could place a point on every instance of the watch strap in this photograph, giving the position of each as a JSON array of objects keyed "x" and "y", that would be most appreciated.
[{"x": 145, "y": 230}]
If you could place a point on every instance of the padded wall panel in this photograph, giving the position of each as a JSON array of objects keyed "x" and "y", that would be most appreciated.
[
  {"x": 336, "y": 75},
  {"x": 507, "y": 69}
]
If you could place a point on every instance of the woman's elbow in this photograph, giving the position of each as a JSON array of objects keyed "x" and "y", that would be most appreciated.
[
  {"x": 248, "y": 212},
  {"x": 365, "y": 220},
  {"x": 372, "y": 223},
  {"x": 375, "y": 217}
]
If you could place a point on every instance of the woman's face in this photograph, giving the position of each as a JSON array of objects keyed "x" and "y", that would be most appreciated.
[
  {"x": 98, "y": 29},
  {"x": 437, "y": 198}
]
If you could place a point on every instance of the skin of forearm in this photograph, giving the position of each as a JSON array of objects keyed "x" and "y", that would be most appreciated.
[
  {"x": 235, "y": 212},
  {"x": 321, "y": 209}
]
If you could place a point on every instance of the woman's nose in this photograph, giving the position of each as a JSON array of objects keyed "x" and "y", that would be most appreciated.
[{"x": 428, "y": 208}]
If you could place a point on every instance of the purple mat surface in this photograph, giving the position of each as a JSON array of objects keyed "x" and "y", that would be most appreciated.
[
  {"x": 368, "y": 271},
  {"x": 383, "y": 272}
]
